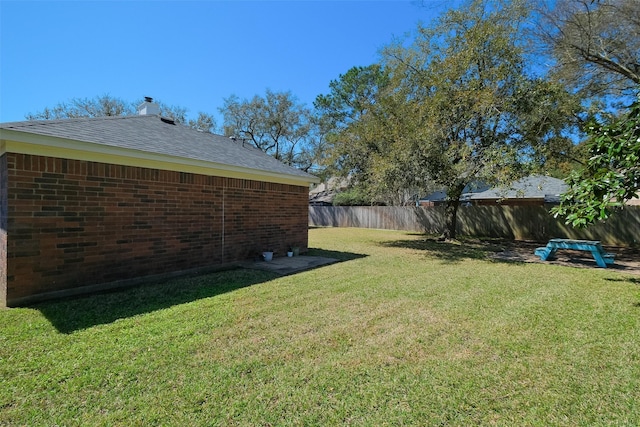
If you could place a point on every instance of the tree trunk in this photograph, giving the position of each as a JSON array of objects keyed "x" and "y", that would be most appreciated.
[
  {"x": 451, "y": 211},
  {"x": 450, "y": 219}
]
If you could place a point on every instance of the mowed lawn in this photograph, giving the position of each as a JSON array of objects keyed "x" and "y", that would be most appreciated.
[{"x": 402, "y": 332}]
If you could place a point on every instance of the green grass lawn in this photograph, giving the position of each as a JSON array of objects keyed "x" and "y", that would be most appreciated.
[{"x": 403, "y": 332}]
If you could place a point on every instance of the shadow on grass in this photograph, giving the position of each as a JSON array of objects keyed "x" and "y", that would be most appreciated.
[
  {"x": 76, "y": 313},
  {"x": 340, "y": 256},
  {"x": 452, "y": 252},
  {"x": 82, "y": 312},
  {"x": 632, "y": 280}
]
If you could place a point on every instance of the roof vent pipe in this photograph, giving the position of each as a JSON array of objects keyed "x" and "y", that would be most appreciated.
[{"x": 148, "y": 107}]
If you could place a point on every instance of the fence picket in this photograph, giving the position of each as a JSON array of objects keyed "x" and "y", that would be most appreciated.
[{"x": 511, "y": 222}]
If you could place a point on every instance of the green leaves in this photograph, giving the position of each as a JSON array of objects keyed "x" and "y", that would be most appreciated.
[{"x": 612, "y": 174}]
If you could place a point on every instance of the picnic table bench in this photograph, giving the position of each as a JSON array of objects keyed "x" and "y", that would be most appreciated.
[{"x": 602, "y": 258}]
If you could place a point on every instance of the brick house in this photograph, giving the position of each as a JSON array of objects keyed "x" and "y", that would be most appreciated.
[{"x": 92, "y": 203}]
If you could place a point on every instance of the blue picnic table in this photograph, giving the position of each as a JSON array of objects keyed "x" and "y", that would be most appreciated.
[{"x": 599, "y": 254}]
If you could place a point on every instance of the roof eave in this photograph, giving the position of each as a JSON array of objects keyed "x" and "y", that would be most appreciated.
[{"x": 36, "y": 144}]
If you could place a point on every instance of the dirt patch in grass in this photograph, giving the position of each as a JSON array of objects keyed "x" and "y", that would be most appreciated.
[{"x": 626, "y": 259}]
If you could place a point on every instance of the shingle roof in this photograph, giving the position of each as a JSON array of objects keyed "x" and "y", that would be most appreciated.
[
  {"x": 467, "y": 192},
  {"x": 154, "y": 134},
  {"x": 531, "y": 187}
]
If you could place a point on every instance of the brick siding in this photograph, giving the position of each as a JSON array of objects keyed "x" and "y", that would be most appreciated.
[
  {"x": 3, "y": 230},
  {"x": 73, "y": 223}
]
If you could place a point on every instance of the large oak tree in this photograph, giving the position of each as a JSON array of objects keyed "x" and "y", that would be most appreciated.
[{"x": 458, "y": 106}]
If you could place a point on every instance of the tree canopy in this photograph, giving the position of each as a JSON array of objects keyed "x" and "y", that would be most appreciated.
[
  {"x": 106, "y": 105},
  {"x": 595, "y": 44},
  {"x": 456, "y": 106},
  {"x": 276, "y": 124},
  {"x": 596, "y": 47},
  {"x": 360, "y": 140},
  {"x": 99, "y": 106}
]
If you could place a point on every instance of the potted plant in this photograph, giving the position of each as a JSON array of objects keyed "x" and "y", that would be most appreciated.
[
  {"x": 290, "y": 252},
  {"x": 267, "y": 255}
]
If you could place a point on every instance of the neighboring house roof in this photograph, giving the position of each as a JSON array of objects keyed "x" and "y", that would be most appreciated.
[
  {"x": 325, "y": 192},
  {"x": 146, "y": 141},
  {"x": 322, "y": 198},
  {"x": 532, "y": 187},
  {"x": 469, "y": 189},
  {"x": 633, "y": 202},
  {"x": 436, "y": 196}
]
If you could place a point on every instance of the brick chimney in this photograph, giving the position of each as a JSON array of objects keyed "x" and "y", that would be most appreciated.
[{"x": 148, "y": 107}]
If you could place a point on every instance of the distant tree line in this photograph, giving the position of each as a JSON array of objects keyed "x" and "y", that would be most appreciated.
[
  {"x": 488, "y": 92},
  {"x": 106, "y": 105}
]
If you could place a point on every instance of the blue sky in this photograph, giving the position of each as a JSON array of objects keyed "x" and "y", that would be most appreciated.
[{"x": 190, "y": 54}]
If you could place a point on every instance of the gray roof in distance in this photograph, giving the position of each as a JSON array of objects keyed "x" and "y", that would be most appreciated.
[
  {"x": 154, "y": 134},
  {"x": 531, "y": 187}
]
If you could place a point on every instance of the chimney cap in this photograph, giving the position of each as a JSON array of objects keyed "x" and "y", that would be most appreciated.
[{"x": 148, "y": 99}]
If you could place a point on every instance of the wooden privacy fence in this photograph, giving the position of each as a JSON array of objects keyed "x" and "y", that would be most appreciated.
[{"x": 510, "y": 222}]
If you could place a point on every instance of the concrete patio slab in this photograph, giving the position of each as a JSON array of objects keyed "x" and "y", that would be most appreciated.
[{"x": 284, "y": 266}]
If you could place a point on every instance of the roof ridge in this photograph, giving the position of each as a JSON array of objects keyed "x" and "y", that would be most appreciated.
[{"x": 29, "y": 123}]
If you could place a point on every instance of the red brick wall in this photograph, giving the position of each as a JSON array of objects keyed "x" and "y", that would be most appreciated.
[
  {"x": 74, "y": 223},
  {"x": 3, "y": 230}
]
